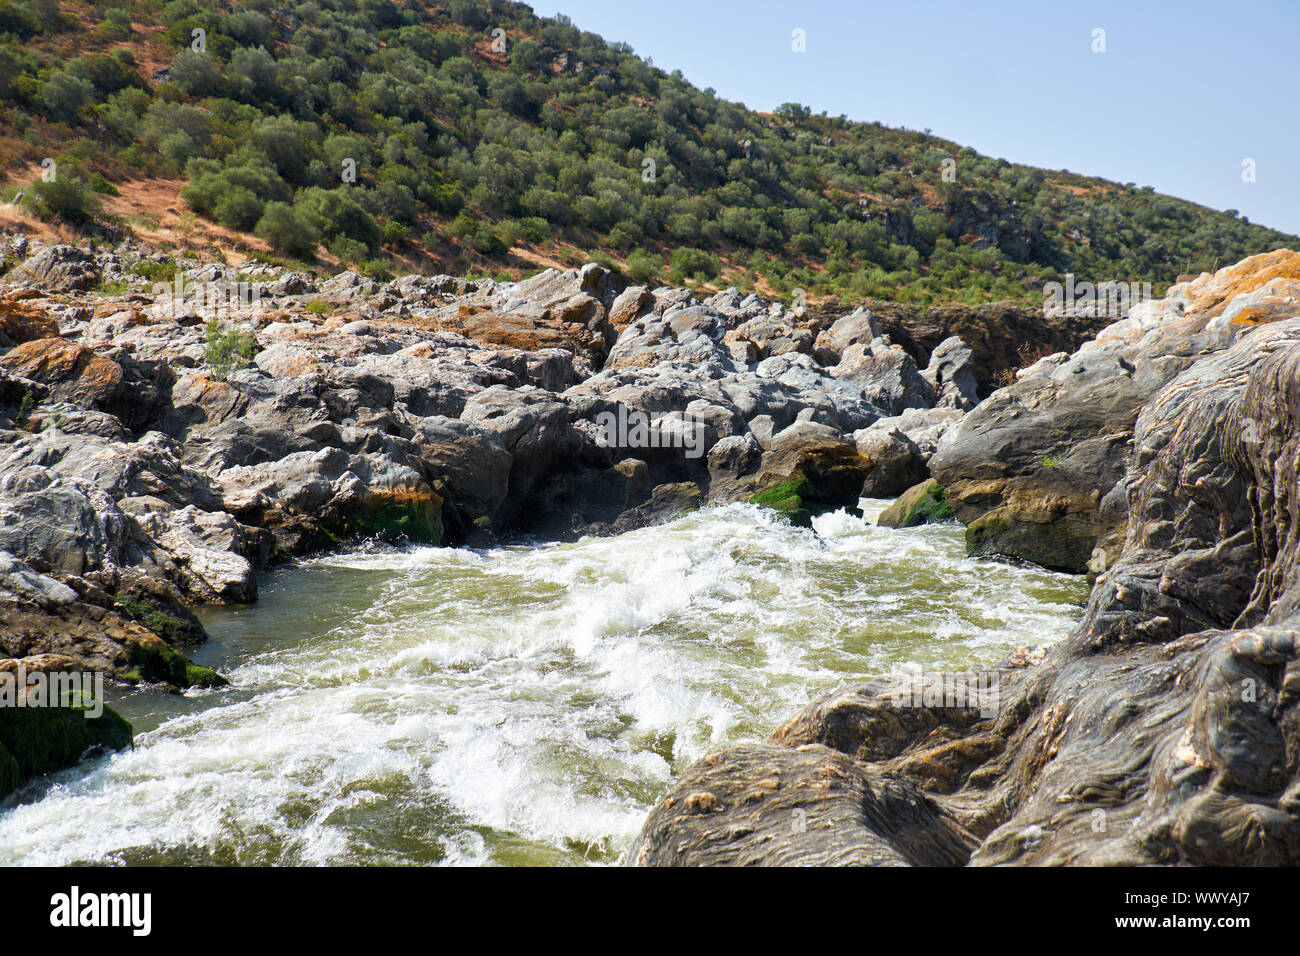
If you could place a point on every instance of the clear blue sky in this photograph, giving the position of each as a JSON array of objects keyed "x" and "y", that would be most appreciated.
[{"x": 1183, "y": 94}]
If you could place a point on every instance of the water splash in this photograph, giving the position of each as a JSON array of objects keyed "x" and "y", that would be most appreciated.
[{"x": 521, "y": 706}]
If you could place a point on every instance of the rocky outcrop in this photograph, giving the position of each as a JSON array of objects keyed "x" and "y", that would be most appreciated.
[
  {"x": 1001, "y": 336},
  {"x": 56, "y": 269},
  {"x": 1033, "y": 471},
  {"x": 1163, "y": 730}
]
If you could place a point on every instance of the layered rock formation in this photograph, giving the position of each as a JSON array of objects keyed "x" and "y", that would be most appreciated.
[
  {"x": 1164, "y": 730},
  {"x": 1002, "y": 337},
  {"x": 1033, "y": 471}
]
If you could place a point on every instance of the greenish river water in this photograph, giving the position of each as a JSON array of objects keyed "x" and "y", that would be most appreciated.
[{"x": 520, "y": 706}]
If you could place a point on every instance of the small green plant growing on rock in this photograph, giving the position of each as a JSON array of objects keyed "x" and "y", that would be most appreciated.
[
  {"x": 228, "y": 352},
  {"x": 25, "y": 410},
  {"x": 113, "y": 287},
  {"x": 1052, "y": 461},
  {"x": 154, "y": 271}
]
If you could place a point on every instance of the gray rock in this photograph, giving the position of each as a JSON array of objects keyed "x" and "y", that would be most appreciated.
[
  {"x": 58, "y": 269},
  {"x": 18, "y": 582},
  {"x": 1026, "y": 471},
  {"x": 951, "y": 373}
]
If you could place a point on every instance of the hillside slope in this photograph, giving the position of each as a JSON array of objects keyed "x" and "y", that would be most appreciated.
[{"x": 477, "y": 137}]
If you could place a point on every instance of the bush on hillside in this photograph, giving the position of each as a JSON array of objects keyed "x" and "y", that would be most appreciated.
[
  {"x": 688, "y": 263},
  {"x": 288, "y": 230}
]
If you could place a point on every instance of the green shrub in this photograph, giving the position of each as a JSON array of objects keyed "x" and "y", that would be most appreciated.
[
  {"x": 692, "y": 263},
  {"x": 477, "y": 235},
  {"x": 154, "y": 271},
  {"x": 395, "y": 234},
  {"x": 228, "y": 351},
  {"x": 17, "y": 21},
  {"x": 534, "y": 229},
  {"x": 102, "y": 186},
  {"x": 334, "y": 213},
  {"x": 68, "y": 198},
  {"x": 195, "y": 73},
  {"x": 288, "y": 230},
  {"x": 377, "y": 269},
  {"x": 116, "y": 24},
  {"x": 238, "y": 209},
  {"x": 487, "y": 242},
  {"x": 644, "y": 268},
  {"x": 347, "y": 251},
  {"x": 625, "y": 235},
  {"x": 210, "y": 183},
  {"x": 63, "y": 96}
]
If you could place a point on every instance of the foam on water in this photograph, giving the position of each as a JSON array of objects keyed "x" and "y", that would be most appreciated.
[{"x": 519, "y": 706}]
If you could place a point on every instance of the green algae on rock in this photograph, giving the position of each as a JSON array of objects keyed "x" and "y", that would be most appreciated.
[
  {"x": 159, "y": 663},
  {"x": 38, "y": 740},
  {"x": 920, "y": 504},
  {"x": 810, "y": 471},
  {"x": 417, "y": 519}
]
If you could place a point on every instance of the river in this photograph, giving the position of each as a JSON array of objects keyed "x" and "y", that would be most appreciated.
[{"x": 520, "y": 706}]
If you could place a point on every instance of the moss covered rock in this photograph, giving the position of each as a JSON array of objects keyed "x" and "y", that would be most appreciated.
[
  {"x": 156, "y": 662},
  {"x": 920, "y": 504},
  {"x": 794, "y": 498},
  {"x": 810, "y": 470},
  {"x": 1059, "y": 541},
  {"x": 172, "y": 629},
  {"x": 38, "y": 740},
  {"x": 399, "y": 516}
]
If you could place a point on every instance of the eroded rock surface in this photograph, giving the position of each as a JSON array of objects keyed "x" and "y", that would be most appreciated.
[{"x": 1032, "y": 472}]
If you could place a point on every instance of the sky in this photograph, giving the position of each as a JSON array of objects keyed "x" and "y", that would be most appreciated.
[{"x": 1183, "y": 95}]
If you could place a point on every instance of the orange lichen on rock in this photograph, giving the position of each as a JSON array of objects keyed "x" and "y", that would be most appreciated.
[
  {"x": 1211, "y": 293},
  {"x": 75, "y": 373},
  {"x": 21, "y": 322}
]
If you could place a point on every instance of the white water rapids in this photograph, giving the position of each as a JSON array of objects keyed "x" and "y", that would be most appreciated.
[{"x": 525, "y": 705}]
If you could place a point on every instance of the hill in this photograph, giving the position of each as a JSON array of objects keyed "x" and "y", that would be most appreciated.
[{"x": 479, "y": 138}]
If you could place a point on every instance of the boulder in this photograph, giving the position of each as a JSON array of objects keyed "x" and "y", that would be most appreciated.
[
  {"x": 71, "y": 372},
  {"x": 57, "y": 269},
  {"x": 20, "y": 322},
  {"x": 665, "y": 503},
  {"x": 40, "y": 740},
  {"x": 760, "y": 805},
  {"x": 860, "y": 327},
  {"x": 951, "y": 373},
  {"x": 533, "y": 427},
  {"x": 922, "y": 427},
  {"x": 809, "y": 470},
  {"x": 921, "y": 504},
  {"x": 896, "y": 462},
  {"x": 887, "y": 376}
]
